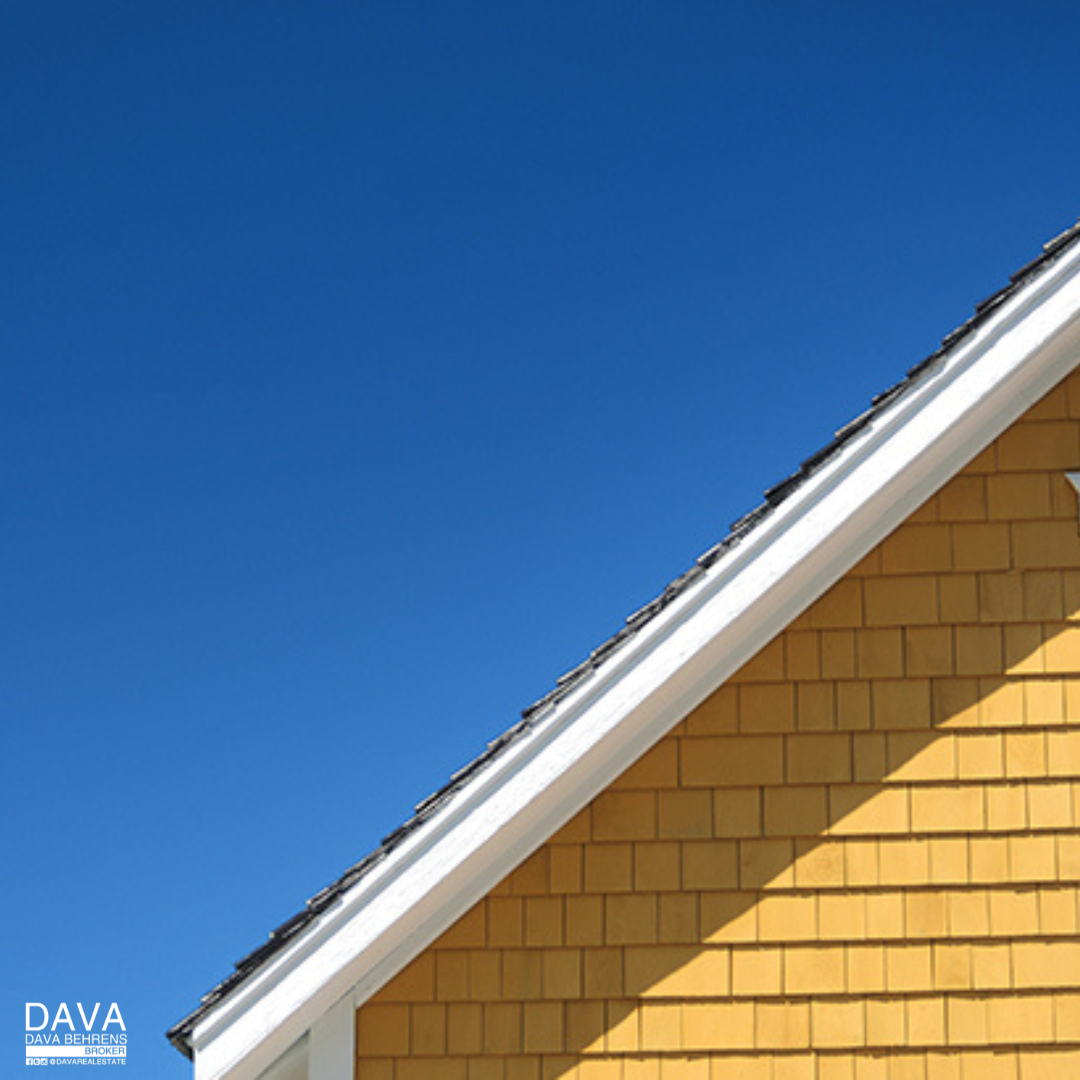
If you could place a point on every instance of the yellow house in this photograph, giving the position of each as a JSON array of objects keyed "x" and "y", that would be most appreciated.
[{"x": 813, "y": 814}]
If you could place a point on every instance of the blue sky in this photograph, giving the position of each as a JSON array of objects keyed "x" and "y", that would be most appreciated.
[{"x": 364, "y": 364}]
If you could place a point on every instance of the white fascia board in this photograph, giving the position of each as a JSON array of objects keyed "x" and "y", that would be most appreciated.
[{"x": 546, "y": 775}]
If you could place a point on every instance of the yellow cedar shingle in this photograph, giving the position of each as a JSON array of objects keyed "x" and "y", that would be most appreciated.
[
  {"x": 984, "y": 546},
  {"x": 679, "y": 918},
  {"x": 522, "y": 974},
  {"x": 630, "y": 919},
  {"x": 952, "y": 966},
  {"x": 718, "y": 1025},
  {"x": 416, "y": 982},
  {"x": 561, "y": 973},
  {"x": 602, "y": 973},
  {"x": 729, "y": 917},
  {"x": 818, "y": 759},
  {"x": 732, "y": 760},
  {"x": 853, "y": 706},
  {"x": 947, "y": 809},
  {"x": 661, "y": 1027},
  {"x": 782, "y": 1026},
  {"x": 485, "y": 974},
  {"x": 968, "y": 1020},
  {"x": 657, "y": 867},
  {"x": 766, "y": 864},
  {"x": 879, "y": 654},
  {"x": 1001, "y": 702},
  {"x": 921, "y": 756},
  {"x": 838, "y": 1023},
  {"x": 1024, "y": 653},
  {"x": 837, "y": 654},
  {"x": 1043, "y": 596},
  {"x": 901, "y": 601},
  {"x": 542, "y": 1027},
  {"x": 949, "y": 864},
  {"x": 1025, "y": 754},
  {"x": 710, "y": 864},
  {"x": 868, "y": 755},
  {"x": 803, "y": 654},
  {"x": 684, "y": 814},
  {"x": 991, "y": 966},
  {"x": 452, "y": 976},
  {"x": 1045, "y": 445},
  {"x": 1045, "y": 545},
  {"x": 865, "y": 969},
  {"x": 383, "y": 1030},
  {"x": 980, "y": 755},
  {"x": 842, "y": 916},
  {"x": 787, "y": 918},
  {"x": 963, "y": 499},
  {"x": 815, "y": 706},
  {"x": 868, "y": 809},
  {"x": 841, "y": 607},
  {"x": 795, "y": 811},
  {"x": 917, "y": 549},
  {"x": 925, "y": 1021},
  {"x": 1022, "y": 1019},
  {"x": 658, "y": 769},
  {"x": 609, "y": 868},
  {"x": 1058, "y": 911},
  {"x": 819, "y": 864},
  {"x": 978, "y": 650},
  {"x": 584, "y": 1025},
  {"x": 908, "y": 968},
  {"x": 584, "y": 920},
  {"x": 814, "y": 970},
  {"x": 756, "y": 972},
  {"x": 767, "y": 666},
  {"x": 624, "y": 815},
  {"x": 566, "y": 868},
  {"x": 885, "y": 915},
  {"x": 428, "y": 1029},
  {"x": 737, "y": 812},
  {"x": 1063, "y": 753},
  {"x": 544, "y": 921},
  {"x": 1032, "y": 858},
  {"x": 928, "y": 650},
  {"x": 1012, "y": 496},
  {"x": 768, "y": 707},
  {"x": 885, "y": 1022},
  {"x": 717, "y": 715},
  {"x": 901, "y": 703},
  {"x": 505, "y": 920},
  {"x": 904, "y": 861}
]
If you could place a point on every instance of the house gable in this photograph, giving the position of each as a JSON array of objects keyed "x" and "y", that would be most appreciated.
[
  {"x": 862, "y": 848},
  {"x": 358, "y": 934}
]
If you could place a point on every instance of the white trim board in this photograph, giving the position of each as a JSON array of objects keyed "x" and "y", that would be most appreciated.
[{"x": 686, "y": 652}]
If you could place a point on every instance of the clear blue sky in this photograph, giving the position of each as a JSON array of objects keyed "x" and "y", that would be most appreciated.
[{"x": 364, "y": 364}]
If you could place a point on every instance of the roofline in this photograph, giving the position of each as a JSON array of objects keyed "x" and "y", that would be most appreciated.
[{"x": 577, "y": 748}]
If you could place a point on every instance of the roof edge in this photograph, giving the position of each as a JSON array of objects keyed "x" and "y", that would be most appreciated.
[{"x": 589, "y": 737}]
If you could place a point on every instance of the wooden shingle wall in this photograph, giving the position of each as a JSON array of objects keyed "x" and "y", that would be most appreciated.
[{"x": 858, "y": 859}]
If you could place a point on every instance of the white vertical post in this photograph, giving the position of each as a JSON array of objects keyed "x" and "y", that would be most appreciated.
[{"x": 331, "y": 1049}]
